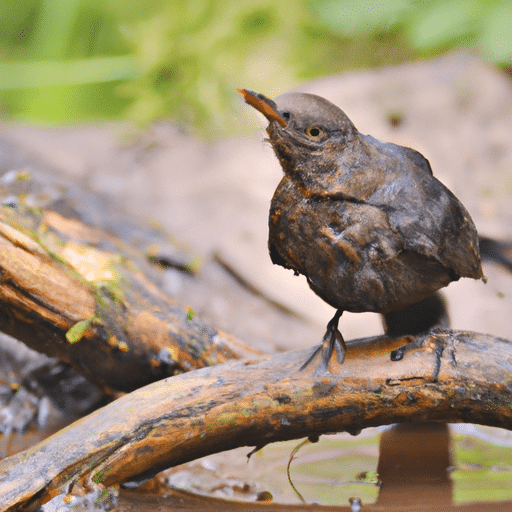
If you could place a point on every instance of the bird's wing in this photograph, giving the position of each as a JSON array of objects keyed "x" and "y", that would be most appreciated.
[{"x": 434, "y": 223}]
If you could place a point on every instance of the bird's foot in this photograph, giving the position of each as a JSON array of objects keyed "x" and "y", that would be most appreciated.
[
  {"x": 332, "y": 341},
  {"x": 415, "y": 343},
  {"x": 398, "y": 354}
]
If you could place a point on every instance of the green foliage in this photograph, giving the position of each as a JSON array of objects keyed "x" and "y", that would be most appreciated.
[
  {"x": 68, "y": 60},
  {"x": 429, "y": 26},
  {"x": 62, "y": 59},
  {"x": 193, "y": 53}
]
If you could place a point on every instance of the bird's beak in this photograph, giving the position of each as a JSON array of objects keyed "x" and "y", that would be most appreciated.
[{"x": 264, "y": 105}]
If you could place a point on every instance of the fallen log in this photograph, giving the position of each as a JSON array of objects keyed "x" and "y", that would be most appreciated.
[
  {"x": 449, "y": 376},
  {"x": 77, "y": 293}
]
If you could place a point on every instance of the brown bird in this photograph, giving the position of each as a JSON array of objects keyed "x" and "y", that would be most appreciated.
[{"x": 365, "y": 221}]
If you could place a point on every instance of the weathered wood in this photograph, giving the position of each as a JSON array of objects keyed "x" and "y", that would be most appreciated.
[
  {"x": 77, "y": 293},
  {"x": 447, "y": 376}
]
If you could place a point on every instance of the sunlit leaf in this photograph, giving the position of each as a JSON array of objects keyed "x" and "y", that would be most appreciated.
[{"x": 77, "y": 331}]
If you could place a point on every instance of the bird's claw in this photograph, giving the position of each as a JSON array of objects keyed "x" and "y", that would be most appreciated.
[{"x": 332, "y": 341}]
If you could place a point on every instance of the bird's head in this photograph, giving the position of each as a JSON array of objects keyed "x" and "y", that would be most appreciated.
[{"x": 308, "y": 133}]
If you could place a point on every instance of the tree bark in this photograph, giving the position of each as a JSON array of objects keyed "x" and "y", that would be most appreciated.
[{"x": 449, "y": 376}]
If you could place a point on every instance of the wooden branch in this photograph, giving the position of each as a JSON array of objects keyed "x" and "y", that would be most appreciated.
[
  {"x": 74, "y": 292},
  {"x": 444, "y": 376}
]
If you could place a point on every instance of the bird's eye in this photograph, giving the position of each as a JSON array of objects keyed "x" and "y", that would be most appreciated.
[
  {"x": 314, "y": 132},
  {"x": 285, "y": 115}
]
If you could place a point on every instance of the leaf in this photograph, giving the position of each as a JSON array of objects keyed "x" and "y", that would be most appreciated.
[{"x": 77, "y": 332}]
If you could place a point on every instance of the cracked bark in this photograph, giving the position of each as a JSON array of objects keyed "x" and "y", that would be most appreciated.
[{"x": 448, "y": 376}]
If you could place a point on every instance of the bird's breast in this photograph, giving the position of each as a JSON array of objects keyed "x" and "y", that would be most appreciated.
[{"x": 348, "y": 251}]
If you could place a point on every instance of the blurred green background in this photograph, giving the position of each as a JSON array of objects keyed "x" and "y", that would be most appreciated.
[{"x": 75, "y": 60}]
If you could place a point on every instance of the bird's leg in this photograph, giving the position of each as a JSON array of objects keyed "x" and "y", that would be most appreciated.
[{"x": 332, "y": 340}]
